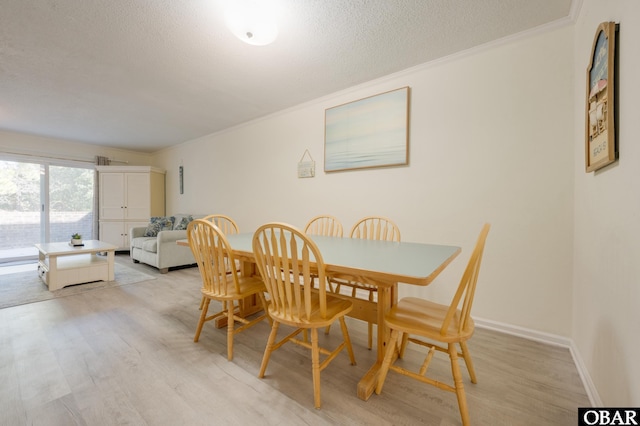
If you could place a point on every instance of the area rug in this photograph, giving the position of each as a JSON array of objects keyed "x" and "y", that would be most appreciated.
[{"x": 27, "y": 287}]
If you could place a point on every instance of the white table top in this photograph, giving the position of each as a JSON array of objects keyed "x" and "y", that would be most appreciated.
[
  {"x": 412, "y": 263},
  {"x": 90, "y": 246}
]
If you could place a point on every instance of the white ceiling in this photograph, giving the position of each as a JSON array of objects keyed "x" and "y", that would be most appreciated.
[{"x": 147, "y": 74}]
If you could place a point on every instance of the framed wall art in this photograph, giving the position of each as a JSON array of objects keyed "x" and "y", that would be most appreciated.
[
  {"x": 367, "y": 133},
  {"x": 601, "y": 148}
]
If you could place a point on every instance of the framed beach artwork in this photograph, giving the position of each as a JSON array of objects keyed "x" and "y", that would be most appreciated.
[
  {"x": 601, "y": 148},
  {"x": 370, "y": 132}
]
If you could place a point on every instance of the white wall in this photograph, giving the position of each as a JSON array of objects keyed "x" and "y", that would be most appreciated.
[
  {"x": 606, "y": 316},
  {"x": 26, "y": 145},
  {"x": 491, "y": 140}
]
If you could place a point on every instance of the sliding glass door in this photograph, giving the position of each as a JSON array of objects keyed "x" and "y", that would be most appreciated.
[
  {"x": 43, "y": 202},
  {"x": 70, "y": 202}
]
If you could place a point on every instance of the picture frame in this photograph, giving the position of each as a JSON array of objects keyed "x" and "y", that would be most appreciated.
[
  {"x": 368, "y": 133},
  {"x": 601, "y": 147}
]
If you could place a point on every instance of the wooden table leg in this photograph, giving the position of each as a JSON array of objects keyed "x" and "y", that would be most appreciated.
[
  {"x": 251, "y": 304},
  {"x": 386, "y": 296}
]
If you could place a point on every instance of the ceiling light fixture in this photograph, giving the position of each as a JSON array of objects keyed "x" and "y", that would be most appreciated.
[{"x": 253, "y": 22}]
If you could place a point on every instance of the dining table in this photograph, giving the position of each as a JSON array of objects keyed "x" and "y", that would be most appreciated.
[{"x": 383, "y": 264}]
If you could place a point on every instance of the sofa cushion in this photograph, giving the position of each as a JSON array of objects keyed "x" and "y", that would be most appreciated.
[
  {"x": 151, "y": 245},
  {"x": 140, "y": 241},
  {"x": 182, "y": 222},
  {"x": 157, "y": 224}
]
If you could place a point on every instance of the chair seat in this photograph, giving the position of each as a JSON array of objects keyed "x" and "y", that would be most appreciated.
[
  {"x": 336, "y": 308},
  {"x": 351, "y": 287},
  {"x": 424, "y": 318},
  {"x": 247, "y": 286}
]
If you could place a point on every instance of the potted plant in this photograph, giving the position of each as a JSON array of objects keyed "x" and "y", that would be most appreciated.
[{"x": 76, "y": 239}]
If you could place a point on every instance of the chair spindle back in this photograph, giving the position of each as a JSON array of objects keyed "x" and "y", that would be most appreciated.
[
  {"x": 213, "y": 254},
  {"x": 288, "y": 262},
  {"x": 467, "y": 287},
  {"x": 325, "y": 225},
  {"x": 227, "y": 225},
  {"x": 376, "y": 228}
]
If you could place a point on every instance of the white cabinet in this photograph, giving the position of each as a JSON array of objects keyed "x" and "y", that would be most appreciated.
[
  {"x": 129, "y": 196},
  {"x": 117, "y": 232}
]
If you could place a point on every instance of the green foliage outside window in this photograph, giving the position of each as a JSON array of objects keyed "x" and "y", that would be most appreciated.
[{"x": 71, "y": 189}]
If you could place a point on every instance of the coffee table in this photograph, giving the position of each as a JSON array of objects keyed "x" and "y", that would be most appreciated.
[{"x": 61, "y": 264}]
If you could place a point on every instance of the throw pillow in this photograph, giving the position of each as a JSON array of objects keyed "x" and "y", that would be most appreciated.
[
  {"x": 157, "y": 224},
  {"x": 184, "y": 222}
]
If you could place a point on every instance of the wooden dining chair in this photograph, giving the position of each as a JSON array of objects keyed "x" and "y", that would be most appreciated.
[
  {"x": 370, "y": 228},
  {"x": 325, "y": 225},
  {"x": 286, "y": 259},
  {"x": 228, "y": 226},
  {"x": 213, "y": 254},
  {"x": 444, "y": 326}
]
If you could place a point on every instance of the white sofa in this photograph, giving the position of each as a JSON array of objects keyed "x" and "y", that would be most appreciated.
[{"x": 162, "y": 251}]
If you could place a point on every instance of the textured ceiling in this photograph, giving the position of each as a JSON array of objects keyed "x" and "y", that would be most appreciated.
[{"x": 147, "y": 74}]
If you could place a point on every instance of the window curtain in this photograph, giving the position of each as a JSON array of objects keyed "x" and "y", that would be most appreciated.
[{"x": 100, "y": 161}]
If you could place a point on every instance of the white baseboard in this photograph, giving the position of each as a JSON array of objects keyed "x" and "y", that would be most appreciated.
[
  {"x": 551, "y": 339},
  {"x": 592, "y": 392}
]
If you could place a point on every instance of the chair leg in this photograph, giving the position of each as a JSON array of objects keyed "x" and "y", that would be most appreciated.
[
  {"x": 467, "y": 360},
  {"x": 403, "y": 345},
  {"x": 265, "y": 307},
  {"x": 203, "y": 315},
  {"x": 457, "y": 380},
  {"x": 315, "y": 367},
  {"x": 269, "y": 348},
  {"x": 347, "y": 340},
  {"x": 202, "y": 302},
  {"x": 230, "y": 326},
  {"x": 386, "y": 363}
]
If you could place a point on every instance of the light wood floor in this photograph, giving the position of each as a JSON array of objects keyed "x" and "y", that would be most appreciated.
[{"x": 126, "y": 355}]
